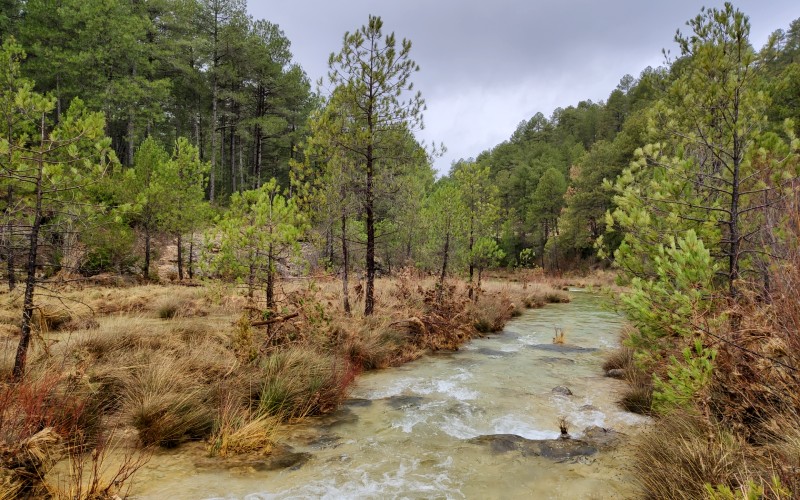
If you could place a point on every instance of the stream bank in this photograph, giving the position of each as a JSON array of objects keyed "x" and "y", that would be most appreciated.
[{"x": 415, "y": 431}]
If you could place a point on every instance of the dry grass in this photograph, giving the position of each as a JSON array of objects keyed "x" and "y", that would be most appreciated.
[
  {"x": 298, "y": 382},
  {"x": 23, "y": 463},
  {"x": 376, "y": 344},
  {"x": 165, "y": 405},
  {"x": 238, "y": 430},
  {"x": 680, "y": 454},
  {"x": 638, "y": 396},
  {"x": 621, "y": 358},
  {"x": 491, "y": 312},
  {"x": 216, "y": 376},
  {"x": 536, "y": 277},
  {"x": 91, "y": 474}
]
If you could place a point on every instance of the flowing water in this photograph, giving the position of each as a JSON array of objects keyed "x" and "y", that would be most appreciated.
[{"x": 404, "y": 432}]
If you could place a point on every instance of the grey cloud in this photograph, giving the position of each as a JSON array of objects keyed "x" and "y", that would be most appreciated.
[{"x": 488, "y": 65}]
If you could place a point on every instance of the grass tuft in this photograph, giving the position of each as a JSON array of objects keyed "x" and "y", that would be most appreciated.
[
  {"x": 682, "y": 453},
  {"x": 165, "y": 405},
  {"x": 239, "y": 430},
  {"x": 298, "y": 382}
]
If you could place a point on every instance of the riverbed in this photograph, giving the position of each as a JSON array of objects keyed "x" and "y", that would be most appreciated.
[{"x": 405, "y": 432}]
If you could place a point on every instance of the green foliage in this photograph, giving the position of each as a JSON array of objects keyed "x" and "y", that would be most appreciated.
[
  {"x": 260, "y": 228},
  {"x": 749, "y": 491},
  {"x": 677, "y": 298},
  {"x": 685, "y": 379},
  {"x": 446, "y": 217},
  {"x": 526, "y": 257},
  {"x": 109, "y": 246},
  {"x": 365, "y": 129},
  {"x": 486, "y": 253}
]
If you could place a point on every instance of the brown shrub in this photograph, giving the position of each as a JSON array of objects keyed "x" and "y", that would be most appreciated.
[
  {"x": 621, "y": 358},
  {"x": 24, "y": 463},
  {"x": 491, "y": 312},
  {"x": 50, "y": 400},
  {"x": 376, "y": 345},
  {"x": 50, "y": 319}
]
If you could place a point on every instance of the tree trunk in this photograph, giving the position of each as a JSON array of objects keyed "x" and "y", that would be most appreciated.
[
  {"x": 146, "y": 266},
  {"x": 345, "y": 267},
  {"x": 9, "y": 241},
  {"x": 443, "y": 275},
  {"x": 369, "y": 297},
  {"x": 735, "y": 237},
  {"x": 471, "y": 262},
  {"x": 30, "y": 279},
  {"x": 232, "y": 155},
  {"x": 241, "y": 167},
  {"x": 270, "y": 278},
  {"x": 191, "y": 257},
  {"x": 257, "y": 176},
  {"x": 131, "y": 131},
  {"x": 251, "y": 279},
  {"x": 212, "y": 176},
  {"x": 180, "y": 257}
]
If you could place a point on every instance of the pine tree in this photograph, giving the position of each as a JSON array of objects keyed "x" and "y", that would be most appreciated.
[{"x": 369, "y": 115}]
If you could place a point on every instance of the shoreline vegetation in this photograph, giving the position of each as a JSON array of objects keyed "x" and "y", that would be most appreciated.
[
  {"x": 127, "y": 369},
  {"x": 729, "y": 428}
]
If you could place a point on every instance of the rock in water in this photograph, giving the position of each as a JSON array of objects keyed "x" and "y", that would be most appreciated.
[
  {"x": 555, "y": 449},
  {"x": 562, "y": 390}
]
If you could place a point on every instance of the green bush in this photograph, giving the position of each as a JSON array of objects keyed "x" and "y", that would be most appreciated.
[{"x": 684, "y": 379}]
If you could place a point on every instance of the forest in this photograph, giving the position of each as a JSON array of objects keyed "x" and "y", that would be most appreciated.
[{"x": 170, "y": 160}]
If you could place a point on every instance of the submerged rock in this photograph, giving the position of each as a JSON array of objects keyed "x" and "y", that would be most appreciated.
[
  {"x": 561, "y": 361},
  {"x": 326, "y": 441},
  {"x": 562, "y": 390},
  {"x": 281, "y": 457},
  {"x": 343, "y": 415},
  {"x": 601, "y": 437},
  {"x": 594, "y": 439},
  {"x": 554, "y": 449},
  {"x": 589, "y": 408},
  {"x": 289, "y": 460},
  {"x": 493, "y": 352},
  {"x": 565, "y": 348},
  {"x": 357, "y": 402},
  {"x": 400, "y": 402},
  {"x": 616, "y": 373}
]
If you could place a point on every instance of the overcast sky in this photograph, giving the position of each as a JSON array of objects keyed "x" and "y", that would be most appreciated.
[{"x": 487, "y": 65}]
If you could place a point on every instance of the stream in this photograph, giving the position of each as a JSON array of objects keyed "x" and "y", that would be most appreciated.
[{"x": 405, "y": 431}]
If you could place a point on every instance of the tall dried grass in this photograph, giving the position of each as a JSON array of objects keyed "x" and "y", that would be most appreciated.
[
  {"x": 91, "y": 474},
  {"x": 299, "y": 382},
  {"x": 238, "y": 430},
  {"x": 166, "y": 405},
  {"x": 680, "y": 454}
]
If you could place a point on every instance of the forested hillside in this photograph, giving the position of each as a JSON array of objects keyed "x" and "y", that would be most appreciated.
[{"x": 551, "y": 171}]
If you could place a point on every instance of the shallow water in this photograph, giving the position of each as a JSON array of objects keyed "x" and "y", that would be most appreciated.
[{"x": 403, "y": 434}]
